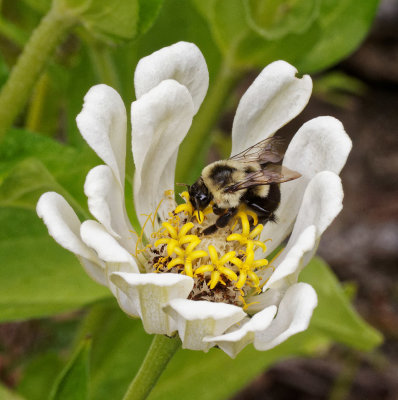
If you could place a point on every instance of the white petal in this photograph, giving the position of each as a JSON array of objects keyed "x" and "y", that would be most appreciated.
[
  {"x": 322, "y": 202},
  {"x": 160, "y": 120},
  {"x": 103, "y": 123},
  {"x": 320, "y": 144},
  {"x": 263, "y": 300},
  {"x": 294, "y": 315},
  {"x": 236, "y": 340},
  {"x": 117, "y": 259},
  {"x": 106, "y": 204},
  {"x": 149, "y": 293},
  {"x": 64, "y": 226},
  {"x": 274, "y": 98},
  {"x": 182, "y": 62},
  {"x": 293, "y": 259},
  {"x": 95, "y": 271},
  {"x": 106, "y": 246},
  {"x": 198, "y": 319}
]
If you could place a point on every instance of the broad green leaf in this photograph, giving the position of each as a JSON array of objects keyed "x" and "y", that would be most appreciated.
[
  {"x": 245, "y": 46},
  {"x": 335, "y": 316},
  {"x": 179, "y": 20},
  {"x": 72, "y": 384},
  {"x": 42, "y": 364},
  {"x": 276, "y": 18},
  {"x": 39, "y": 278},
  {"x": 343, "y": 25},
  {"x": 117, "y": 19},
  {"x": 120, "y": 344},
  {"x": 39, "y": 374},
  {"x": 213, "y": 375},
  {"x": 7, "y": 394},
  {"x": 65, "y": 165},
  {"x": 311, "y": 34},
  {"x": 25, "y": 183},
  {"x": 149, "y": 10}
]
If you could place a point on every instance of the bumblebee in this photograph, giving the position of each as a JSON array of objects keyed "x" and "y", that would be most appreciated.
[{"x": 251, "y": 177}]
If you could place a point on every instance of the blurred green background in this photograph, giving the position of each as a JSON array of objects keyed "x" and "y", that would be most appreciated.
[{"x": 63, "y": 336}]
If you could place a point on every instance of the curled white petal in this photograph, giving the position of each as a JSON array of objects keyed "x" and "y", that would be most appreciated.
[
  {"x": 63, "y": 224},
  {"x": 160, "y": 120},
  {"x": 95, "y": 271},
  {"x": 294, "y": 315},
  {"x": 263, "y": 300},
  {"x": 236, "y": 340},
  {"x": 294, "y": 258},
  {"x": 320, "y": 145},
  {"x": 106, "y": 246},
  {"x": 115, "y": 256},
  {"x": 198, "y": 319},
  {"x": 274, "y": 98},
  {"x": 106, "y": 204},
  {"x": 149, "y": 293},
  {"x": 103, "y": 124},
  {"x": 182, "y": 62},
  {"x": 322, "y": 202}
]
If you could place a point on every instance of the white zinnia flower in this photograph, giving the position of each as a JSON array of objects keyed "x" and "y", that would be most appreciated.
[{"x": 170, "y": 86}]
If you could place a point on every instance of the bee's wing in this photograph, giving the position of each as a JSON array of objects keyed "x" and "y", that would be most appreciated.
[
  {"x": 270, "y": 174},
  {"x": 268, "y": 150}
]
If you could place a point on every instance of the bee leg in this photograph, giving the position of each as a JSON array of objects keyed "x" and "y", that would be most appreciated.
[
  {"x": 217, "y": 210},
  {"x": 264, "y": 207},
  {"x": 222, "y": 221}
]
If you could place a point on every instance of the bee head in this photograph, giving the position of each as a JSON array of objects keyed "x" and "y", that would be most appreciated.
[{"x": 200, "y": 195}]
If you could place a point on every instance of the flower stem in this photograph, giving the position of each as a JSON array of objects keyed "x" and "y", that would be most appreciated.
[
  {"x": 30, "y": 64},
  {"x": 36, "y": 107},
  {"x": 159, "y": 354},
  {"x": 206, "y": 118}
]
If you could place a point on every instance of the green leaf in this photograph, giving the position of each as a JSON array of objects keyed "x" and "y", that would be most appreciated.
[
  {"x": 179, "y": 20},
  {"x": 117, "y": 19},
  {"x": 6, "y": 394},
  {"x": 66, "y": 165},
  {"x": 72, "y": 384},
  {"x": 149, "y": 10},
  {"x": 25, "y": 183},
  {"x": 343, "y": 25},
  {"x": 335, "y": 316},
  {"x": 39, "y": 374},
  {"x": 308, "y": 33},
  {"x": 276, "y": 18},
  {"x": 120, "y": 344},
  {"x": 39, "y": 277}
]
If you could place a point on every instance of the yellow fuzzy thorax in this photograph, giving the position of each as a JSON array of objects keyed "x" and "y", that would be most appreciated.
[{"x": 223, "y": 265}]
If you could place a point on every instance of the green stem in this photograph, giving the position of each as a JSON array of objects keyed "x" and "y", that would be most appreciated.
[
  {"x": 36, "y": 106},
  {"x": 206, "y": 118},
  {"x": 31, "y": 63},
  {"x": 159, "y": 354}
]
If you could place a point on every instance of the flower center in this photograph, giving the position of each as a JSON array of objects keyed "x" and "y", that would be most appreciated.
[{"x": 223, "y": 265}]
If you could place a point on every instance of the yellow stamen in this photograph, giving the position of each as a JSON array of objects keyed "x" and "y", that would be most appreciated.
[
  {"x": 236, "y": 268},
  {"x": 217, "y": 267}
]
